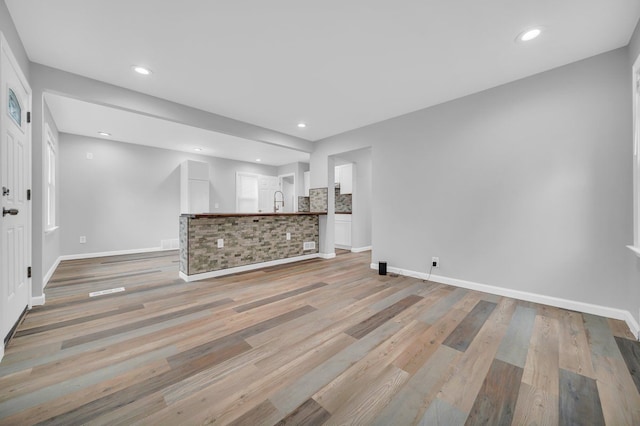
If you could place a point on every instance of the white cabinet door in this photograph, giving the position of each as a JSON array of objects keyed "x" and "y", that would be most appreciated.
[
  {"x": 194, "y": 187},
  {"x": 198, "y": 197},
  {"x": 343, "y": 231},
  {"x": 344, "y": 176}
]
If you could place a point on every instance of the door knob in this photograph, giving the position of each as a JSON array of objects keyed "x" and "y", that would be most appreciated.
[
  {"x": 12, "y": 212},
  {"x": 5, "y": 191}
]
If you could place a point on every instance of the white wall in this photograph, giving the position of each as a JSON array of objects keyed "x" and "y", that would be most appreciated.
[
  {"x": 526, "y": 186},
  {"x": 128, "y": 196}
]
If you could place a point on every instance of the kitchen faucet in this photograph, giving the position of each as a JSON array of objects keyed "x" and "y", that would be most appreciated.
[{"x": 275, "y": 201}]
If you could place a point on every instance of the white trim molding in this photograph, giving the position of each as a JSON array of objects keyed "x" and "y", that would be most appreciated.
[
  {"x": 573, "y": 305},
  {"x": 326, "y": 255},
  {"x": 635, "y": 249},
  {"x": 245, "y": 268},
  {"x": 50, "y": 272},
  {"x": 51, "y": 230},
  {"x": 635, "y": 83},
  {"x": 360, "y": 249},
  {"x": 37, "y": 300},
  {"x": 47, "y": 277},
  {"x": 111, "y": 253}
]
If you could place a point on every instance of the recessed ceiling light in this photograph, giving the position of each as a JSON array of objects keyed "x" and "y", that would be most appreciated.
[
  {"x": 529, "y": 34},
  {"x": 302, "y": 125},
  {"x": 258, "y": 160},
  {"x": 141, "y": 70},
  {"x": 197, "y": 149},
  {"x": 104, "y": 134}
]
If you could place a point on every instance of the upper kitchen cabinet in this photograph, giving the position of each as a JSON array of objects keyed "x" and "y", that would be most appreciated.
[
  {"x": 194, "y": 187},
  {"x": 344, "y": 178}
]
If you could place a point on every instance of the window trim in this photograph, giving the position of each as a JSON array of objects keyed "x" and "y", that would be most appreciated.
[
  {"x": 50, "y": 181},
  {"x": 635, "y": 83},
  {"x": 240, "y": 199}
]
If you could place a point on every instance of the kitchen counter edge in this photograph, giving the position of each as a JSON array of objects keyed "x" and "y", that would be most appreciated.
[{"x": 205, "y": 215}]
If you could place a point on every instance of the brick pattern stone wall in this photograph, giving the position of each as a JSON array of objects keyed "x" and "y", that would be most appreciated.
[
  {"x": 303, "y": 204},
  {"x": 319, "y": 200},
  {"x": 247, "y": 240},
  {"x": 184, "y": 238},
  {"x": 343, "y": 202}
]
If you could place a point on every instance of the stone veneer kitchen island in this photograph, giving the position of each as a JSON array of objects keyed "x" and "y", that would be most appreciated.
[{"x": 250, "y": 241}]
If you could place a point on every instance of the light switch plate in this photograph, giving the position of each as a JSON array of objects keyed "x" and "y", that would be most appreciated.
[{"x": 220, "y": 242}]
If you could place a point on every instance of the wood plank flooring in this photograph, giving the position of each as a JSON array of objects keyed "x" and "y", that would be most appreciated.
[{"x": 315, "y": 342}]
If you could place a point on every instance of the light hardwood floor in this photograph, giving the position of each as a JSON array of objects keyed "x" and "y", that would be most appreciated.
[{"x": 320, "y": 341}]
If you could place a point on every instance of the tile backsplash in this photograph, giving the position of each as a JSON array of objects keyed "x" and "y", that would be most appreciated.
[
  {"x": 319, "y": 200},
  {"x": 343, "y": 202},
  {"x": 303, "y": 204}
]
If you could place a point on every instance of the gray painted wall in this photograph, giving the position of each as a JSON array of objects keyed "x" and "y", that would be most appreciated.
[
  {"x": 9, "y": 31},
  {"x": 51, "y": 240},
  {"x": 128, "y": 196},
  {"x": 527, "y": 186},
  {"x": 298, "y": 170},
  {"x": 634, "y": 44}
]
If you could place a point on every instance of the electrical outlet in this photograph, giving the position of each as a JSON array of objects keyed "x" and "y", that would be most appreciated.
[
  {"x": 220, "y": 242},
  {"x": 435, "y": 262},
  {"x": 83, "y": 239},
  {"x": 288, "y": 236}
]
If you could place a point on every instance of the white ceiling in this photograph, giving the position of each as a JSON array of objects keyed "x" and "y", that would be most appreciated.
[
  {"x": 334, "y": 64},
  {"x": 84, "y": 118}
]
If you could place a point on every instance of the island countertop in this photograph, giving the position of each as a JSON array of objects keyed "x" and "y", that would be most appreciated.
[{"x": 204, "y": 215}]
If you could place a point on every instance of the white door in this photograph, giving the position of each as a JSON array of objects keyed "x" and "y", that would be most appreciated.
[{"x": 15, "y": 161}]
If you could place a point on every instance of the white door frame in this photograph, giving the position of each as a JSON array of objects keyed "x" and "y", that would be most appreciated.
[{"x": 7, "y": 54}]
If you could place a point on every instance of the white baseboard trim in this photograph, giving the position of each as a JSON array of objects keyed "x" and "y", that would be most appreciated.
[
  {"x": 244, "y": 268},
  {"x": 326, "y": 255},
  {"x": 49, "y": 274},
  {"x": 111, "y": 253},
  {"x": 1, "y": 351},
  {"x": 360, "y": 249},
  {"x": 38, "y": 300},
  {"x": 343, "y": 247},
  {"x": 573, "y": 305}
]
